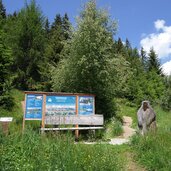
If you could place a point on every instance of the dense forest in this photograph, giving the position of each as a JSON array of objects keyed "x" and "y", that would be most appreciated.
[{"x": 42, "y": 56}]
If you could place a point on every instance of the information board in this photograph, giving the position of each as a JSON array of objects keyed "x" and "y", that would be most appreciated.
[
  {"x": 86, "y": 105},
  {"x": 34, "y": 106},
  {"x": 60, "y": 105}
]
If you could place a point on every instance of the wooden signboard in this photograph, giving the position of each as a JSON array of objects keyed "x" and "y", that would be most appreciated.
[{"x": 61, "y": 109}]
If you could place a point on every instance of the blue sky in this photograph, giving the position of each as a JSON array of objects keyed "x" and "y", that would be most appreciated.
[{"x": 145, "y": 23}]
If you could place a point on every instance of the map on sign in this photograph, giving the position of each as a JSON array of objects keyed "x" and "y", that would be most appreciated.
[
  {"x": 86, "y": 105},
  {"x": 34, "y": 106},
  {"x": 60, "y": 105}
]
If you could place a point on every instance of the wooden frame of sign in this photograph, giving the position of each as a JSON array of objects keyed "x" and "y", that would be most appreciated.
[{"x": 36, "y": 108}]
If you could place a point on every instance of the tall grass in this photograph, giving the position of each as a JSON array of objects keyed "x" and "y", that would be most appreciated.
[
  {"x": 113, "y": 128},
  {"x": 154, "y": 150},
  {"x": 32, "y": 151}
]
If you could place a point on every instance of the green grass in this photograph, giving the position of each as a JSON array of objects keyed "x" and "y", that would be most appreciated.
[
  {"x": 113, "y": 128},
  {"x": 33, "y": 151},
  {"x": 47, "y": 152},
  {"x": 153, "y": 151}
]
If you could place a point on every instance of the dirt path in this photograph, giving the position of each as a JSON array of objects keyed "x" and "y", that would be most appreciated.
[
  {"x": 127, "y": 132},
  {"x": 131, "y": 164}
]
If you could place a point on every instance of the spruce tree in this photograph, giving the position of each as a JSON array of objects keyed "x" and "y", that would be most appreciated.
[
  {"x": 66, "y": 26},
  {"x": 6, "y": 62},
  {"x": 47, "y": 28},
  {"x": 153, "y": 62},
  {"x": 144, "y": 58},
  {"x": 28, "y": 46},
  {"x": 2, "y": 10}
]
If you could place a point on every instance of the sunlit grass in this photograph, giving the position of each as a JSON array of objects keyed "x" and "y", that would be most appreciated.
[
  {"x": 154, "y": 150},
  {"x": 47, "y": 152}
]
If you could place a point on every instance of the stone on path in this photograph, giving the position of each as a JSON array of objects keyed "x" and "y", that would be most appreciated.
[{"x": 118, "y": 141}]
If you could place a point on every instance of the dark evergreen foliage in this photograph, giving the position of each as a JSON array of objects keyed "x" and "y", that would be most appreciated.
[
  {"x": 6, "y": 62},
  {"x": 28, "y": 47},
  {"x": 153, "y": 62},
  {"x": 2, "y": 10}
]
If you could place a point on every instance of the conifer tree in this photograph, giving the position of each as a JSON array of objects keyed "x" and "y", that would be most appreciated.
[
  {"x": 6, "y": 62},
  {"x": 66, "y": 26},
  {"x": 28, "y": 46},
  {"x": 153, "y": 62},
  {"x": 47, "y": 29},
  {"x": 2, "y": 10},
  {"x": 144, "y": 58}
]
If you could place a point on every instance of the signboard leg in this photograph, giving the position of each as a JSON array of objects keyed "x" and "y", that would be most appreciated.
[
  {"x": 77, "y": 131},
  {"x": 24, "y": 111},
  {"x": 43, "y": 113},
  {"x": 23, "y": 124}
]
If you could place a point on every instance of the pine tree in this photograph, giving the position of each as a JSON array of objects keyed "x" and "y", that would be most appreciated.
[
  {"x": 47, "y": 29},
  {"x": 28, "y": 46},
  {"x": 59, "y": 33},
  {"x": 55, "y": 42},
  {"x": 127, "y": 44},
  {"x": 66, "y": 26},
  {"x": 57, "y": 24},
  {"x": 6, "y": 61},
  {"x": 153, "y": 62},
  {"x": 144, "y": 58},
  {"x": 2, "y": 10},
  {"x": 119, "y": 46}
]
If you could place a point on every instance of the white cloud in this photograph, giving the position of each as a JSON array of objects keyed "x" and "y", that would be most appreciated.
[
  {"x": 167, "y": 68},
  {"x": 160, "y": 40},
  {"x": 159, "y": 24}
]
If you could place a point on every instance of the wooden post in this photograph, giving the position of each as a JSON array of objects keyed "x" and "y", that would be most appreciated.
[
  {"x": 94, "y": 110},
  {"x": 24, "y": 111},
  {"x": 77, "y": 131},
  {"x": 43, "y": 111}
]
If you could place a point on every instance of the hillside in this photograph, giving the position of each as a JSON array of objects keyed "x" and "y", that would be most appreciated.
[{"x": 17, "y": 151}]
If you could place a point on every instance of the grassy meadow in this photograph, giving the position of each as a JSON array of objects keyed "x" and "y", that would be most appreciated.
[
  {"x": 59, "y": 151},
  {"x": 154, "y": 150}
]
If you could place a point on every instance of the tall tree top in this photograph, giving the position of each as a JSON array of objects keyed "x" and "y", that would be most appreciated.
[
  {"x": 2, "y": 10},
  {"x": 127, "y": 44},
  {"x": 66, "y": 26},
  {"x": 153, "y": 62},
  {"x": 57, "y": 22}
]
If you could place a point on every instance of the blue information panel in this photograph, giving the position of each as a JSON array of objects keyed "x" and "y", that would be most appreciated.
[
  {"x": 86, "y": 105},
  {"x": 34, "y": 106},
  {"x": 60, "y": 105}
]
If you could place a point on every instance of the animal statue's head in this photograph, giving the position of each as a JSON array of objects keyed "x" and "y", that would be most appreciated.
[{"x": 145, "y": 105}]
